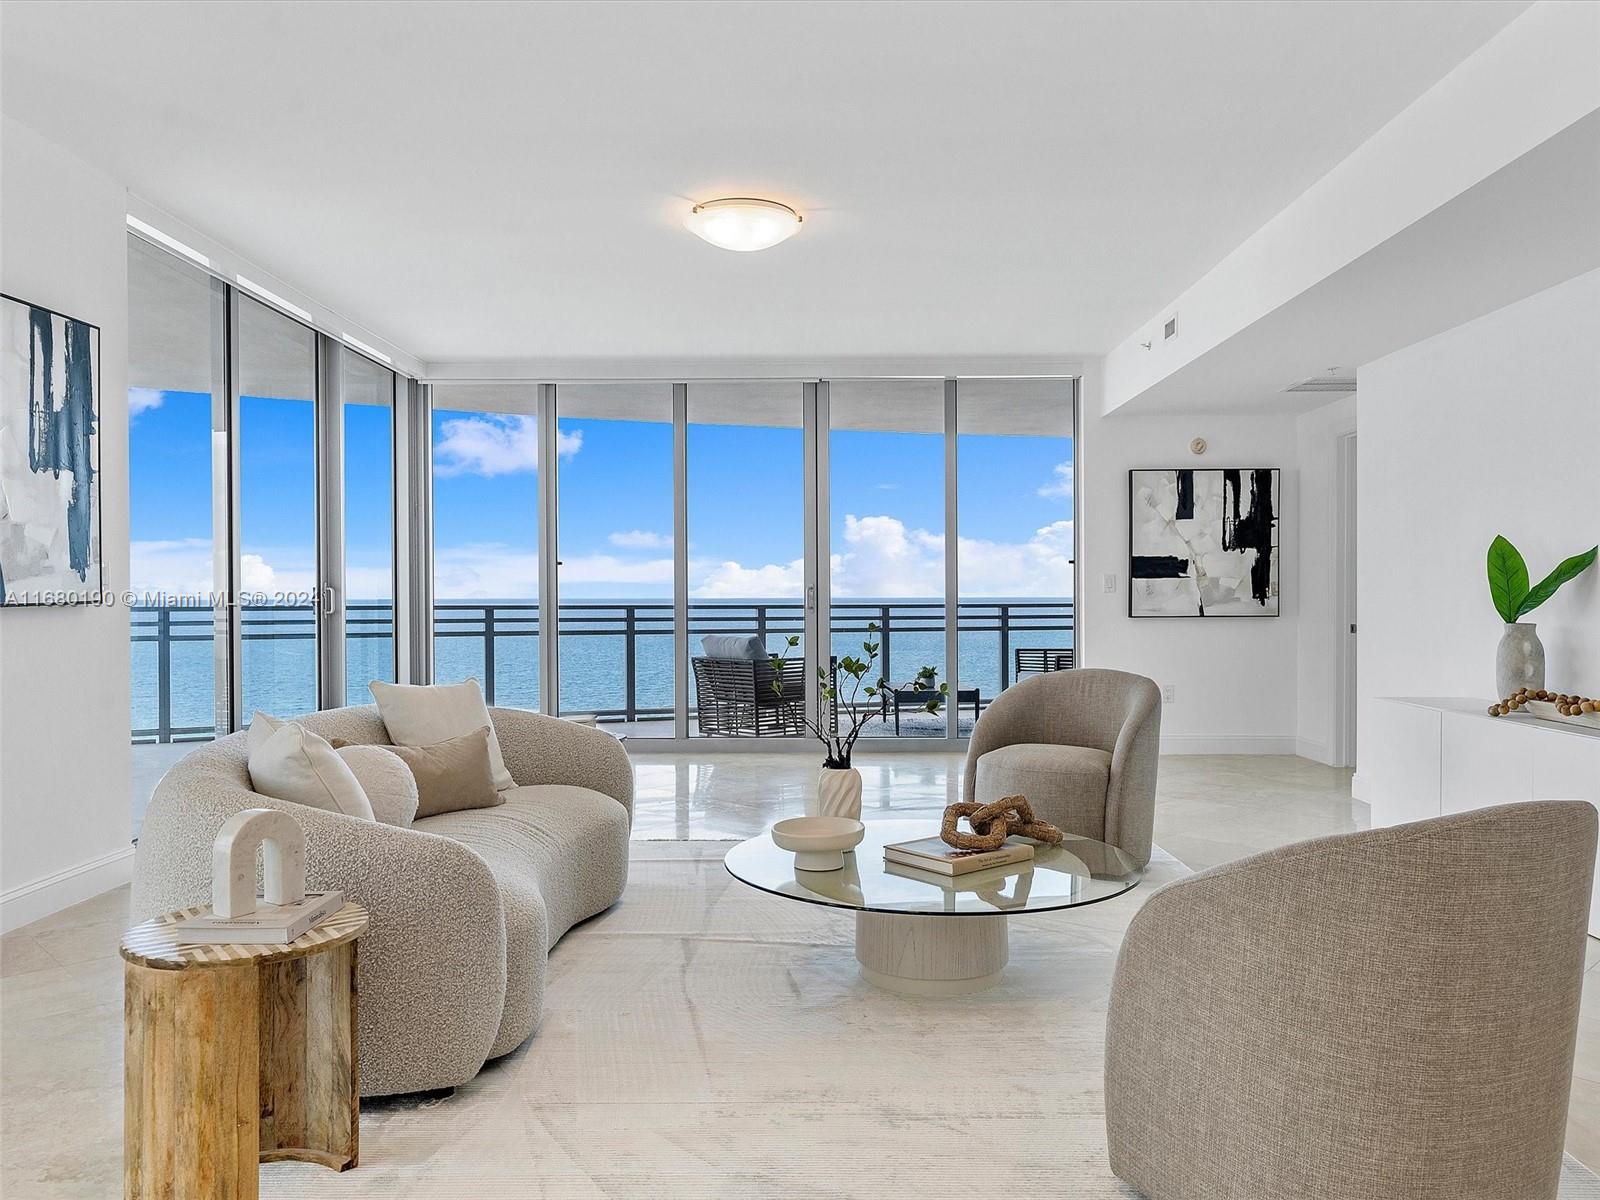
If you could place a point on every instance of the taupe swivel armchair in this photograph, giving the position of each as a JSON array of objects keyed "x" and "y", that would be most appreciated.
[
  {"x": 1082, "y": 746},
  {"x": 1387, "y": 1015}
]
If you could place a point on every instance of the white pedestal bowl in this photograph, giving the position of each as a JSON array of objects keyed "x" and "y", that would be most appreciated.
[{"x": 818, "y": 843}]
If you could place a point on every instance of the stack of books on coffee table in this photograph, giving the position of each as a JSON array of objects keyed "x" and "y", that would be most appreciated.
[{"x": 932, "y": 854}]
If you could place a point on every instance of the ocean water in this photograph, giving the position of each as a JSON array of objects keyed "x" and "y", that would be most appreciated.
[{"x": 279, "y": 653}]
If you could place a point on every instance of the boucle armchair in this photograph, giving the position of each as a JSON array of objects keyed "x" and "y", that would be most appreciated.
[
  {"x": 464, "y": 905},
  {"x": 1082, "y": 746},
  {"x": 1387, "y": 1015}
]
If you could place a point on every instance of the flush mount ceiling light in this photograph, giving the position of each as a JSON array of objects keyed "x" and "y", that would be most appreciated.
[{"x": 742, "y": 223}]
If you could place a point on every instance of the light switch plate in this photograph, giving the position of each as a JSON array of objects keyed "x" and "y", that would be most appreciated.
[
  {"x": 1108, "y": 581},
  {"x": 1169, "y": 694}
]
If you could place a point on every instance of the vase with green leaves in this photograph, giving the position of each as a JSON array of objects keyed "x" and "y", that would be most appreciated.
[
  {"x": 1519, "y": 659},
  {"x": 852, "y": 697}
]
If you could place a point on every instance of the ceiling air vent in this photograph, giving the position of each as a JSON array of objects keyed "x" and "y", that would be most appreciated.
[{"x": 1323, "y": 383}]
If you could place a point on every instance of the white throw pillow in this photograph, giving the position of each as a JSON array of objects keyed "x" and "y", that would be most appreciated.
[
  {"x": 292, "y": 763},
  {"x": 425, "y": 715},
  {"x": 390, "y": 786},
  {"x": 262, "y": 726}
]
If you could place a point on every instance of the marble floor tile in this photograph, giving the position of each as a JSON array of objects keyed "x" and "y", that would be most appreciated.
[{"x": 61, "y": 982}]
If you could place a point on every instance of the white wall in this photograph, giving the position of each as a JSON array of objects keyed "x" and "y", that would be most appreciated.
[
  {"x": 1317, "y": 435},
  {"x": 1531, "y": 81},
  {"x": 1234, "y": 679},
  {"x": 64, "y": 823},
  {"x": 1493, "y": 427}
]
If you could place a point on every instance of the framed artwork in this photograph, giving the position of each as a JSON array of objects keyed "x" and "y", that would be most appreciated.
[
  {"x": 1203, "y": 543},
  {"x": 49, "y": 456}
]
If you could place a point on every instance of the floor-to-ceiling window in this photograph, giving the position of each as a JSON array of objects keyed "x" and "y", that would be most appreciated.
[
  {"x": 615, "y": 519},
  {"x": 886, "y": 501},
  {"x": 677, "y": 511},
  {"x": 926, "y": 524},
  {"x": 277, "y": 455},
  {"x": 1015, "y": 546},
  {"x": 486, "y": 540},
  {"x": 367, "y": 393},
  {"x": 175, "y": 319},
  {"x": 746, "y": 513}
]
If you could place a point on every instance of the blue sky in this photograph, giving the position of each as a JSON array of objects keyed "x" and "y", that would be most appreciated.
[{"x": 745, "y": 505}]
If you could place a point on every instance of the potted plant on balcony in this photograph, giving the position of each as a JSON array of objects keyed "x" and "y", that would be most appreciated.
[
  {"x": 1519, "y": 659},
  {"x": 844, "y": 718}
]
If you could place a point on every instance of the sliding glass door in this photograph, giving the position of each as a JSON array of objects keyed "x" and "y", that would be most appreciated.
[
  {"x": 486, "y": 541},
  {"x": 615, "y": 559},
  {"x": 177, "y": 399},
  {"x": 886, "y": 550},
  {"x": 262, "y": 477},
  {"x": 693, "y": 530},
  {"x": 1015, "y": 500},
  {"x": 278, "y": 588},
  {"x": 747, "y": 570},
  {"x": 367, "y": 394}
]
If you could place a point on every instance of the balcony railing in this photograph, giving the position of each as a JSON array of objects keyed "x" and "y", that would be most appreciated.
[{"x": 616, "y": 658}]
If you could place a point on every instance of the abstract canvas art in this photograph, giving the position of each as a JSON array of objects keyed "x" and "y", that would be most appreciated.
[
  {"x": 1203, "y": 543},
  {"x": 49, "y": 456}
]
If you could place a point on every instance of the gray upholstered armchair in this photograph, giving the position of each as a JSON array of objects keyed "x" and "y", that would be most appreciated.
[
  {"x": 1082, "y": 746},
  {"x": 1389, "y": 1014}
]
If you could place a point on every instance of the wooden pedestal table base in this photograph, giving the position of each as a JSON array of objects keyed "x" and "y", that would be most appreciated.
[
  {"x": 237, "y": 1055},
  {"x": 931, "y": 954}
]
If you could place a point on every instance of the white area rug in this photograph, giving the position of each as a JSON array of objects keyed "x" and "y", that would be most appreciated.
[{"x": 703, "y": 1039}]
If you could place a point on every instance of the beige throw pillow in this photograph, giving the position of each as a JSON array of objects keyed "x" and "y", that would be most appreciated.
[
  {"x": 292, "y": 763},
  {"x": 390, "y": 786},
  {"x": 425, "y": 715},
  {"x": 452, "y": 775}
]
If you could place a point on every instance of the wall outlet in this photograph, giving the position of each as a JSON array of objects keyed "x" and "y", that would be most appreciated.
[
  {"x": 1108, "y": 581},
  {"x": 1169, "y": 694}
]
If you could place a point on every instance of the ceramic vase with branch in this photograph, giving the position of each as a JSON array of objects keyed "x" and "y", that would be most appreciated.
[
  {"x": 1519, "y": 659},
  {"x": 844, "y": 717}
]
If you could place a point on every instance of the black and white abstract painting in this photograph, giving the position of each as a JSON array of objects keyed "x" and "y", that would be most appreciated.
[
  {"x": 49, "y": 456},
  {"x": 1203, "y": 543}
]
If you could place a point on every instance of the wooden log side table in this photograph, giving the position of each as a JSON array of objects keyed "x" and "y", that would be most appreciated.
[{"x": 237, "y": 1055}]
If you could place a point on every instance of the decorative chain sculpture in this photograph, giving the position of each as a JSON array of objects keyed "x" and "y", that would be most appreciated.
[{"x": 993, "y": 823}]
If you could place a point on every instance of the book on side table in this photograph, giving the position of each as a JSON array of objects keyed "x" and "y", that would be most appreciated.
[
  {"x": 932, "y": 854},
  {"x": 268, "y": 925}
]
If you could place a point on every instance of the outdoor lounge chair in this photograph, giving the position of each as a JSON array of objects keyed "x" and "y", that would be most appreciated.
[{"x": 735, "y": 696}]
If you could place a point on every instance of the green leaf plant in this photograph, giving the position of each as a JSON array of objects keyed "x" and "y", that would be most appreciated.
[
  {"x": 837, "y": 705},
  {"x": 1508, "y": 579}
]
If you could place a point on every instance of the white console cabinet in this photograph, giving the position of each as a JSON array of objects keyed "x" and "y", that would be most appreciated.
[{"x": 1428, "y": 756}]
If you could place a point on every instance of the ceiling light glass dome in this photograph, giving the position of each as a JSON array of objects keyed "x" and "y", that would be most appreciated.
[{"x": 741, "y": 223}]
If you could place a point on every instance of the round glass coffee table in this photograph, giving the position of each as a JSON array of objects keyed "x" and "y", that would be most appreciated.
[{"x": 929, "y": 934}]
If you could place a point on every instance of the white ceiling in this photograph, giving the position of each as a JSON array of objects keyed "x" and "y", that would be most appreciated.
[{"x": 477, "y": 181}]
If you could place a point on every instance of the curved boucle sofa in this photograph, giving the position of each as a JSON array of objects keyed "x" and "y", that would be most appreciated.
[{"x": 465, "y": 905}]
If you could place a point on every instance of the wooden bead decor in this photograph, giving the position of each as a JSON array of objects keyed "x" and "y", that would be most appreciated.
[
  {"x": 1567, "y": 706},
  {"x": 993, "y": 823}
]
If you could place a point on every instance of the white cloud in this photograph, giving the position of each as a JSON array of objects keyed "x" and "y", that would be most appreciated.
[
  {"x": 493, "y": 571},
  {"x": 640, "y": 539},
  {"x": 182, "y": 567},
  {"x": 881, "y": 557},
  {"x": 485, "y": 571},
  {"x": 494, "y": 445},
  {"x": 1060, "y": 485},
  {"x": 375, "y": 582},
  {"x": 599, "y": 571},
  {"x": 143, "y": 400},
  {"x": 731, "y": 581},
  {"x": 1041, "y": 566}
]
